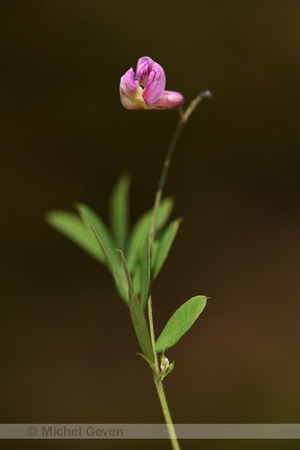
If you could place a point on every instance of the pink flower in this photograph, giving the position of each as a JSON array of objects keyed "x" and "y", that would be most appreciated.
[{"x": 146, "y": 88}]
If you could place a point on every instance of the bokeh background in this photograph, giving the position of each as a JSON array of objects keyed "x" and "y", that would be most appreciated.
[{"x": 68, "y": 351}]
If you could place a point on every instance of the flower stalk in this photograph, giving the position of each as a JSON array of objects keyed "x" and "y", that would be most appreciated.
[{"x": 184, "y": 116}]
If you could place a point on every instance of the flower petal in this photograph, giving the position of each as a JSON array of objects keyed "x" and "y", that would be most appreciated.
[
  {"x": 143, "y": 69},
  {"x": 168, "y": 100},
  {"x": 152, "y": 76},
  {"x": 129, "y": 81},
  {"x": 131, "y": 91}
]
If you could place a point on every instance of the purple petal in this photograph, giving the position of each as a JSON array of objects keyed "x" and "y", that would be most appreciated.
[
  {"x": 131, "y": 91},
  {"x": 152, "y": 76},
  {"x": 129, "y": 82},
  {"x": 143, "y": 69},
  {"x": 168, "y": 100}
]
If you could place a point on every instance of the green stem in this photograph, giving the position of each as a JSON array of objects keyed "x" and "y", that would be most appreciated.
[
  {"x": 159, "y": 386},
  {"x": 164, "y": 173},
  {"x": 184, "y": 116},
  {"x": 166, "y": 412}
]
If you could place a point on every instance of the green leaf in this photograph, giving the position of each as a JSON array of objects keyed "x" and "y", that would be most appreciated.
[
  {"x": 127, "y": 275},
  {"x": 141, "y": 327},
  {"x": 151, "y": 364},
  {"x": 107, "y": 260},
  {"x": 180, "y": 322},
  {"x": 142, "y": 227},
  {"x": 89, "y": 217},
  {"x": 115, "y": 269},
  {"x": 71, "y": 226},
  {"x": 138, "y": 316},
  {"x": 169, "y": 369},
  {"x": 106, "y": 242},
  {"x": 119, "y": 211},
  {"x": 144, "y": 268},
  {"x": 162, "y": 245},
  {"x": 142, "y": 272}
]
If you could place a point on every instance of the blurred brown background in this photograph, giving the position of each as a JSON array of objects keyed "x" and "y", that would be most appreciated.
[{"x": 68, "y": 351}]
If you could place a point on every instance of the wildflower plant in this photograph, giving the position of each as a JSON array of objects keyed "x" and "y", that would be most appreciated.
[{"x": 135, "y": 257}]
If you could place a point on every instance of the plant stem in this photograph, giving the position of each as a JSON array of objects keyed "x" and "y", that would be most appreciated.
[
  {"x": 166, "y": 412},
  {"x": 184, "y": 116},
  {"x": 159, "y": 386},
  {"x": 150, "y": 315},
  {"x": 164, "y": 174}
]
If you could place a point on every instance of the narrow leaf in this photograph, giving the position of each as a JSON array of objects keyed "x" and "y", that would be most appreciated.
[
  {"x": 151, "y": 364},
  {"x": 71, "y": 226},
  {"x": 143, "y": 226},
  {"x": 127, "y": 274},
  {"x": 119, "y": 211},
  {"x": 136, "y": 279},
  {"x": 138, "y": 316},
  {"x": 180, "y": 322},
  {"x": 108, "y": 263},
  {"x": 162, "y": 246},
  {"x": 145, "y": 271},
  {"x": 115, "y": 269},
  {"x": 141, "y": 327},
  {"x": 142, "y": 273},
  {"x": 89, "y": 217},
  {"x": 169, "y": 369}
]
